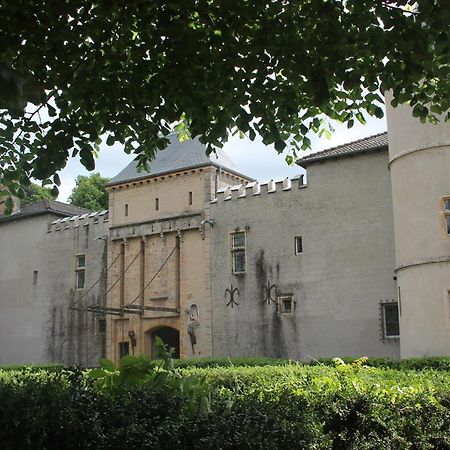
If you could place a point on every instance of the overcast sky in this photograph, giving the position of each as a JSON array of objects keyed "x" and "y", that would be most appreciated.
[{"x": 253, "y": 158}]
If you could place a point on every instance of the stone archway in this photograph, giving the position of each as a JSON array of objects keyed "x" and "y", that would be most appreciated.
[{"x": 170, "y": 337}]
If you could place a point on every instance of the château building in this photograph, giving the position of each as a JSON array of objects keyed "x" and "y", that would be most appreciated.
[{"x": 351, "y": 259}]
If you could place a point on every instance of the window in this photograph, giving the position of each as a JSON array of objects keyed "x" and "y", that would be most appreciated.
[
  {"x": 80, "y": 271},
  {"x": 238, "y": 252},
  {"x": 286, "y": 304},
  {"x": 35, "y": 277},
  {"x": 448, "y": 309},
  {"x": 101, "y": 325},
  {"x": 124, "y": 349},
  {"x": 156, "y": 204},
  {"x": 126, "y": 210},
  {"x": 390, "y": 320},
  {"x": 446, "y": 215},
  {"x": 298, "y": 245},
  {"x": 190, "y": 198}
]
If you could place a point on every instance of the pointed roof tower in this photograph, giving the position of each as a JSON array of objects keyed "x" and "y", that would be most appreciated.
[{"x": 175, "y": 157}]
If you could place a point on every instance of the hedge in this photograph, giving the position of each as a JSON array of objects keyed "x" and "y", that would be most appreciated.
[
  {"x": 432, "y": 362},
  {"x": 271, "y": 407}
]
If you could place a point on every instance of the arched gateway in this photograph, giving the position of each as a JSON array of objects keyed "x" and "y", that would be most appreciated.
[{"x": 170, "y": 337}]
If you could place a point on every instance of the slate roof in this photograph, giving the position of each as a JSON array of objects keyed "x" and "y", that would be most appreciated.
[
  {"x": 369, "y": 144},
  {"x": 177, "y": 156},
  {"x": 45, "y": 207}
]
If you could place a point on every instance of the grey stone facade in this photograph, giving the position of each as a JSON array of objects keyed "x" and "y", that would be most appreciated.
[
  {"x": 345, "y": 269},
  {"x": 38, "y": 246},
  {"x": 295, "y": 269}
]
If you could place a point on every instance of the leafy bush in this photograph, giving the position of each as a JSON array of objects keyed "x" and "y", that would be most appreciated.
[
  {"x": 430, "y": 362},
  {"x": 37, "y": 367},
  {"x": 348, "y": 406}
]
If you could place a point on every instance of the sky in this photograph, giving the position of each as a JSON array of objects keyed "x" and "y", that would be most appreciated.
[{"x": 255, "y": 159}]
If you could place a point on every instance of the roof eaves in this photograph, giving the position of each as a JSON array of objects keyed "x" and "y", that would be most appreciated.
[
  {"x": 305, "y": 162},
  {"x": 181, "y": 169},
  {"x": 15, "y": 217}
]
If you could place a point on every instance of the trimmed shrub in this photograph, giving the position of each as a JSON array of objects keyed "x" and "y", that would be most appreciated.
[{"x": 271, "y": 407}]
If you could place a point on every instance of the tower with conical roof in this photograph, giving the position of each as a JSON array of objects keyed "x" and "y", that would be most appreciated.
[{"x": 159, "y": 257}]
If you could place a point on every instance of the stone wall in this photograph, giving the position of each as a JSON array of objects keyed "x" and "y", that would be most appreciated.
[
  {"x": 345, "y": 269},
  {"x": 37, "y": 286}
]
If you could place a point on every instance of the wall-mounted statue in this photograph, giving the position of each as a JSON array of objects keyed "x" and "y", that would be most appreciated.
[{"x": 194, "y": 322}]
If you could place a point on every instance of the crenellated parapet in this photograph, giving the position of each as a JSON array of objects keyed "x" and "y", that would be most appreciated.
[
  {"x": 82, "y": 221},
  {"x": 254, "y": 188}
]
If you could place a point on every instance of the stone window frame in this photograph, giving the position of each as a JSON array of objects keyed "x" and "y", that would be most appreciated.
[
  {"x": 383, "y": 316},
  {"x": 281, "y": 304},
  {"x": 80, "y": 269},
  {"x": 445, "y": 216},
  {"x": 236, "y": 250}
]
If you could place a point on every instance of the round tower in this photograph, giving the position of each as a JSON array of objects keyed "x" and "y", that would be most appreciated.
[{"x": 420, "y": 174}]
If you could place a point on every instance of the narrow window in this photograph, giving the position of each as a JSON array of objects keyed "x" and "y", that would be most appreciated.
[
  {"x": 298, "y": 243},
  {"x": 156, "y": 204},
  {"x": 126, "y": 209},
  {"x": 390, "y": 319},
  {"x": 80, "y": 271},
  {"x": 190, "y": 198},
  {"x": 101, "y": 325},
  {"x": 448, "y": 308},
  {"x": 238, "y": 252},
  {"x": 286, "y": 304},
  {"x": 446, "y": 215},
  {"x": 124, "y": 349},
  {"x": 35, "y": 277}
]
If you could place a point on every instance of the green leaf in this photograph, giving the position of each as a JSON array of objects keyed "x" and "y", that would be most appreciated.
[
  {"x": 280, "y": 145},
  {"x": 87, "y": 158},
  {"x": 107, "y": 364},
  {"x": 361, "y": 118},
  {"x": 96, "y": 373}
]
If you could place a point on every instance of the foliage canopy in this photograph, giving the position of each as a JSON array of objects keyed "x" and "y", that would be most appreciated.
[
  {"x": 34, "y": 193},
  {"x": 89, "y": 192},
  {"x": 130, "y": 70}
]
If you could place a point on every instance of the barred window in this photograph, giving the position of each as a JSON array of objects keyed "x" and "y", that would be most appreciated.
[
  {"x": 238, "y": 244},
  {"x": 286, "y": 304},
  {"x": 390, "y": 319},
  {"x": 80, "y": 271}
]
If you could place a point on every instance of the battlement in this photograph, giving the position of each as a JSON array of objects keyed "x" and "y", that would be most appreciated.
[
  {"x": 81, "y": 221},
  {"x": 255, "y": 188}
]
